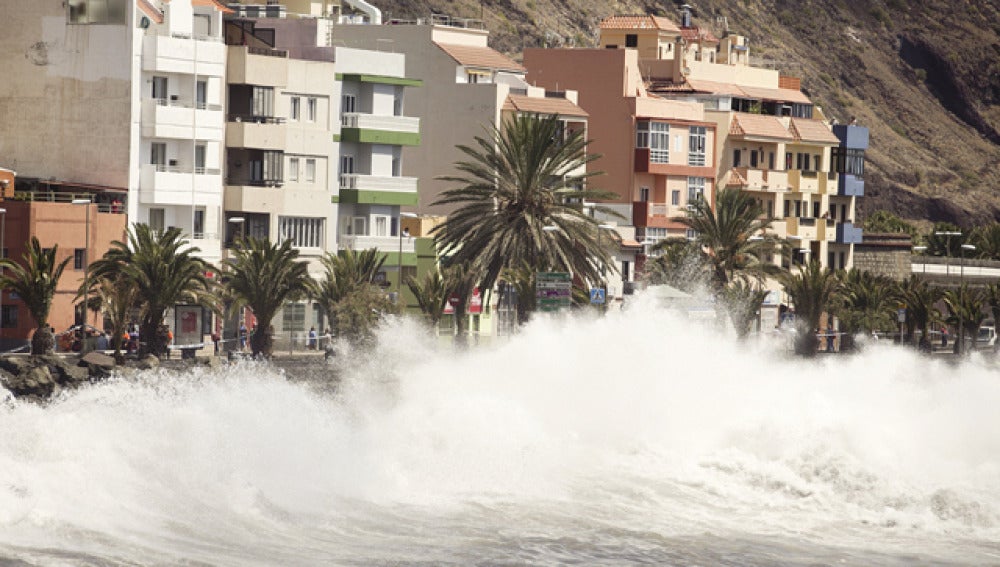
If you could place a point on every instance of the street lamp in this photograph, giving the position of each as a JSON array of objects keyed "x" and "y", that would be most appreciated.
[
  {"x": 961, "y": 284},
  {"x": 921, "y": 250},
  {"x": 399, "y": 259},
  {"x": 86, "y": 269},
  {"x": 947, "y": 251}
]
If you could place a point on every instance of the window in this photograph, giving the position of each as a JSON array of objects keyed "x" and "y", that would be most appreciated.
[
  {"x": 79, "y": 258},
  {"x": 293, "y": 169},
  {"x": 97, "y": 11},
  {"x": 201, "y": 94},
  {"x": 263, "y": 101},
  {"x": 199, "y": 223},
  {"x": 268, "y": 170},
  {"x": 753, "y": 158},
  {"x": 770, "y": 160},
  {"x": 696, "y": 145},
  {"x": 848, "y": 161},
  {"x": 159, "y": 88},
  {"x": 293, "y": 317},
  {"x": 816, "y": 162},
  {"x": 199, "y": 158},
  {"x": 675, "y": 197},
  {"x": 380, "y": 226},
  {"x": 696, "y": 189},
  {"x": 8, "y": 317},
  {"x": 158, "y": 155},
  {"x": 736, "y": 158},
  {"x": 202, "y": 25},
  {"x": 788, "y": 161},
  {"x": 644, "y": 194},
  {"x": 690, "y": 234},
  {"x": 311, "y": 109},
  {"x": 310, "y": 171},
  {"x": 656, "y": 137},
  {"x": 302, "y": 231},
  {"x": 631, "y": 40},
  {"x": 346, "y": 170},
  {"x": 359, "y": 226},
  {"x": 816, "y": 209},
  {"x": 156, "y": 219},
  {"x": 788, "y": 208},
  {"x": 348, "y": 103},
  {"x": 293, "y": 110}
]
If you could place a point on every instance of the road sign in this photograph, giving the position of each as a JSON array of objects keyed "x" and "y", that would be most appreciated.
[
  {"x": 553, "y": 290},
  {"x": 901, "y": 315},
  {"x": 597, "y": 295}
]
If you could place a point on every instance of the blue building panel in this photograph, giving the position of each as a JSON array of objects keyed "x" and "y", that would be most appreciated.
[
  {"x": 847, "y": 233},
  {"x": 851, "y": 137},
  {"x": 850, "y": 186}
]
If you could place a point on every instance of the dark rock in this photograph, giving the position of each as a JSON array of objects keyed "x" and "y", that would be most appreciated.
[
  {"x": 63, "y": 370},
  {"x": 148, "y": 362},
  {"x": 98, "y": 365}
]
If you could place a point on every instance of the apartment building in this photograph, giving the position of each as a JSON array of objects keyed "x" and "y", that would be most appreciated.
[
  {"x": 657, "y": 154},
  {"x": 771, "y": 140},
  {"x": 119, "y": 100}
]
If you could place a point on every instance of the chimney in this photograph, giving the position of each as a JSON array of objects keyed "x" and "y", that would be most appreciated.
[{"x": 686, "y": 16}]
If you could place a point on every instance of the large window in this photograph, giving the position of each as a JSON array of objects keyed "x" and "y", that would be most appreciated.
[
  {"x": 8, "y": 317},
  {"x": 304, "y": 232},
  {"x": 696, "y": 146},
  {"x": 696, "y": 189},
  {"x": 293, "y": 317},
  {"x": 848, "y": 161},
  {"x": 310, "y": 171},
  {"x": 263, "y": 101},
  {"x": 157, "y": 219},
  {"x": 656, "y": 137},
  {"x": 293, "y": 111},
  {"x": 79, "y": 259},
  {"x": 293, "y": 169},
  {"x": 631, "y": 40},
  {"x": 97, "y": 11},
  {"x": 311, "y": 109}
]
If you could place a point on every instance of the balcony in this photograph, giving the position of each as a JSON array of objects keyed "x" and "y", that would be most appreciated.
[
  {"x": 847, "y": 233},
  {"x": 828, "y": 183},
  {"x": 376, "y": 189},
  {"x": 175, "y": 185},
  {"x": 386, "y": 244},
  {"x": 253, "y": 196},
  {"x": 806, "y": 228},
  {"x": 645, "y": 163},
  {"x": 184, "y": 54},
  {"x": 256, "y": 132},
  {"x": 380, "y": 129},
  {"x": 761, "y": 180},
  {"x": 180, "y": 119},
  {"x": 256, "y": 66},
  {"x": 802, "y": 181},
  {"x": 656, "y": 215}
]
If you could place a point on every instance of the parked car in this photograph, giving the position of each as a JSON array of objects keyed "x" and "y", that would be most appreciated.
[
  {"x": 70, "y": 339},
  {"x": 987, "y": 337}
]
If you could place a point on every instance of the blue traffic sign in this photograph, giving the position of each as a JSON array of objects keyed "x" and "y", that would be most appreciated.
[{"x": 597, "y": 295}]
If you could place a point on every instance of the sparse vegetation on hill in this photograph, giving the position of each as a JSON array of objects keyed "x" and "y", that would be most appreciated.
[{"x": 923, "y": 76}]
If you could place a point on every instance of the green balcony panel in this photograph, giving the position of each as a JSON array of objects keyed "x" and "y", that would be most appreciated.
[
  {"x": 366, "y": 197},
  {"x": 381, "y": 79},
  {"x": 366, "y": 136}
]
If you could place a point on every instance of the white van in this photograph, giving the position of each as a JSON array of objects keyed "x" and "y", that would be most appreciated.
[{"x": 987, "y": 337}]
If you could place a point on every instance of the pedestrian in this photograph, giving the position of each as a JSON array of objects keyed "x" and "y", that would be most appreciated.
[
  {"x": 311, "y": 344},
  {"x": 243, "y": 336},
  {"x": 215, "y": 341},
  {"x": 944, "y": 336},
  {"x": 829, "y": 338}
]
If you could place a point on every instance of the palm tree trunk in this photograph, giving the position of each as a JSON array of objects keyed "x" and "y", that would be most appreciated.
[
  {"x": 43, "y": 342},
  {"x": 261, "y": 342}
]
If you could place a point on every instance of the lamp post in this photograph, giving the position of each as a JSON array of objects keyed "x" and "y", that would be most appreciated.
[
  {"x": 86, "y": 270},
  {"x": 961, "y": 284},
  {"x": 947, "y": 251},
  {"x": 399, "y": 259}
]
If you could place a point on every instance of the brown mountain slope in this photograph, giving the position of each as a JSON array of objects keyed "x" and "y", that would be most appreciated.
[{"x": 924, "y": 76}]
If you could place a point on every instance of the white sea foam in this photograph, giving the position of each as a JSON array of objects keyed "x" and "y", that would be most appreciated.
[{"x": 636, "y": 437}]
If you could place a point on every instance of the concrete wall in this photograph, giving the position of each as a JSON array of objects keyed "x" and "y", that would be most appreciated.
[{"x": 66, "y": 95}]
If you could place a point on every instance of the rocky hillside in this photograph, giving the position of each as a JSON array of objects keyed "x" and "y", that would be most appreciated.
[{"x": 923, "y": 76}]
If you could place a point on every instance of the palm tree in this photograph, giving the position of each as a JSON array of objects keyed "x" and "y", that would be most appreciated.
[
  {"x": 920, "y": 299},
  {"x": 432, "y": 296},
  {"x": 733, "y": 237},
  {"x": 35, "y": 283},
  {"x": 116, "y": 297},
  {"x": 811, "y": 289},
  {"x": 743, "y": 301},
  {"x": 965, "y": 308},
  {"x": 949, "y": 245},
  {"x": 264, "y": 277},
  {"x": 680, "y": 264},
  {"x": 348, "y": 295},
  {"x": 164, "y": 271},
  {"x": 518, "y": 203},
  {"x": 866, "y": 302},
  {"x": 461, "y": 279},
  {"x": 987, "y": 241}
]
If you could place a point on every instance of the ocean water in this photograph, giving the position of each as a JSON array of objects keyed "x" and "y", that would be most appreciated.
[{"x": 639, "y": 438}]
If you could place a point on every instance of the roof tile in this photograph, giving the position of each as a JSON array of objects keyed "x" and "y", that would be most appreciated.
[
  {"x": 758, "y": 126},
  {"x": 638, "y": 23},
  {"x": 482, "y": 57},
  {"x": 807, "y": 130},
  {"x": 543, "y": 105}
]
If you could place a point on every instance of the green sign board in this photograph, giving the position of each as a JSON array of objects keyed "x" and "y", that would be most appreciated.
[{"x": 553, "y": 291}]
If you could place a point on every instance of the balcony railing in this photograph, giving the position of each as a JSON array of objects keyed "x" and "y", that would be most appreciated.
[
  {"x": 176, "y": 102},
  {"x": 162, "y": 168},
  {"x": 378, "y": 183},
  {"x": 255, "y": 182},
  {"x": 380, "y": 122},
  {"x": 256, "y": 119},
  {"x": 267, "y": 52}
]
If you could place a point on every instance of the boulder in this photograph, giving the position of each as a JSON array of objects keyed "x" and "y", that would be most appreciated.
[
  {"x": 63, "y": 370},
  {"x": 15, "y": 364},
  {"x": 98, "y": 365},
  {"x": 148, "y": 362}
]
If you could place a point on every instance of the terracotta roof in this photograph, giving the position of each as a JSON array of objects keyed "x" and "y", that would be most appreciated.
[
  {"x": 630, "y": 243},
  {"x": 212, "y": 4},
  {"x": 482, "y": 57},
  {"x": 657, "y": 86},
  {"x": 716, "y": 88},
  {"x": 638, "y": 23},
  {"x": 698, "y": 34},
  {"x": 543, "y": 105},
  {"x": 780, "y": 95},
  {"x": 151, "y": 11},
  {"x": 758, "y": 126},
  {"x": 808, "y": 130}
]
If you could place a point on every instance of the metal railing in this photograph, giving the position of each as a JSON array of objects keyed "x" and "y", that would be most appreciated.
[
  {"x": 266, "y": 51},
  {"x": 255, "y": 182},
  {"x": 176, "y": 102},
  {"x": 255, "y": 119},
  {"x": 162, "y": 168}
]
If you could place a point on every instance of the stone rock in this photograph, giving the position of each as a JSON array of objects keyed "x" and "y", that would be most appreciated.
[
  {"x": 98, "y": 365},
  {"x": 149, "y": 362},
  {"x": 15, "y": 364},
  {"x": 63, "y": 370}
]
